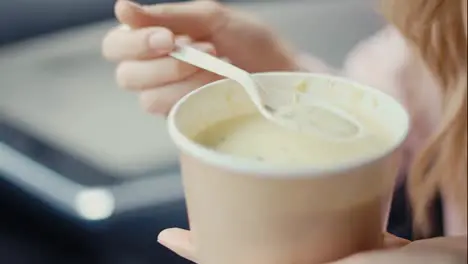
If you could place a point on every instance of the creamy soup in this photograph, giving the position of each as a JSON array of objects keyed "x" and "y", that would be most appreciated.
[{"x": 254, "y": 137}]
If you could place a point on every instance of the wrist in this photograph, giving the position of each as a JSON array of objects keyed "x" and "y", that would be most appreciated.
[
  {"x": 308, "y": 63},
  {"x": 252, "y": 45},
  {"x": 277, "y": 54}
]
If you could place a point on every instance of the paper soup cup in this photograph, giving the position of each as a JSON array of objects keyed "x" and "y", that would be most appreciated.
[{"x": 249, "y": 212}]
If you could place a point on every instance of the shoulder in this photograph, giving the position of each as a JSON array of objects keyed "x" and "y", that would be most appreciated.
[
  {"x": 387, "y": 62},
  {"x": 380, "y": 61}
]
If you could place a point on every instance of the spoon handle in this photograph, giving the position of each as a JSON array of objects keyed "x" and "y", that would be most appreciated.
[
  {"x": 207, "y": 62},
  {"x": 213, "y": 64}
]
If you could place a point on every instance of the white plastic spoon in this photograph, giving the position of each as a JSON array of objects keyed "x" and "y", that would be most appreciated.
[{"x": 320, "y": 117}]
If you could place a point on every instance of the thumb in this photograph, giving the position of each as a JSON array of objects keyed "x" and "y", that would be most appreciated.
[
  {"x": 198, "y": 19},
  {"x": 392, "y": 241},
  {"x": 391, "y": 244},
  {"x": 179, "y": 241}
]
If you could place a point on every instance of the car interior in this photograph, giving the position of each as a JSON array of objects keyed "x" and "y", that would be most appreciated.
[{"x": 85, "y": 175}]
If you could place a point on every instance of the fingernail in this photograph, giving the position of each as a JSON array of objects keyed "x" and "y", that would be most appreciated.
[
  {"x": 164, "y": 237},
  {"x": 130, "y": 2},
  {"x": 161, "y": 40},
  {"x": 205, "y": 47},
  {"x": 162, "y": 242},
  {"x": 125, "y": 27}
]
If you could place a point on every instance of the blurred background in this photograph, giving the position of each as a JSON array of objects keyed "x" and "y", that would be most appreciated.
[{"x": 85, "y": 175}]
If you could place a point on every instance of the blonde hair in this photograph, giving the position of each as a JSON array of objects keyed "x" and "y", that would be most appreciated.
[{"x": 437, "y": 29}]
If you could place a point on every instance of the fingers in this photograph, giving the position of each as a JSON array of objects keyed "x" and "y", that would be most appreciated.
[
  {"x": 198, "y": 19},
  {"x": 132, "y": 14},
  {"x": 392, "y": 241},
  {"x": 147, "y": 43},
  {"x": 178, "y": 240},
  {"x": 391, "y": 244},
  {"x": 441, "y": 243},
  {"x": 143, "y": 45},
  {"x": 141, "y": 75},
  {"x": 160, "y": 100},
  {"x": 374, "y": 257}
]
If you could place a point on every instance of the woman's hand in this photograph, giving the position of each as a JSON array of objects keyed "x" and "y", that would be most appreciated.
[
  {"x": 443, "y": 250},
  {"x": 179, "y": 241},
  {"x": 142, "y": 48}
]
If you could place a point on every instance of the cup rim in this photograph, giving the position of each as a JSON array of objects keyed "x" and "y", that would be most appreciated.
[{"x": 250, "y": 167}]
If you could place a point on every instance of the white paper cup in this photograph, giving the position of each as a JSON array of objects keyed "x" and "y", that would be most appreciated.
[{"x": 247, "y": 212}]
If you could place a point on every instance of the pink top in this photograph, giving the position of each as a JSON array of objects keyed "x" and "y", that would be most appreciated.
[{"x": 385, "y": 61}]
